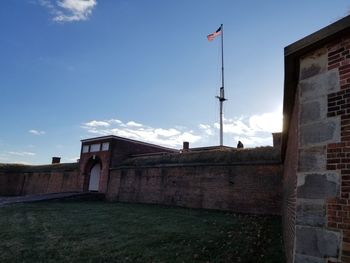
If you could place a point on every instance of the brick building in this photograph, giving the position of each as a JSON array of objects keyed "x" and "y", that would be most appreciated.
[
  {"x": 99, "y": 154},
  {"x": 316, "y": 146}
]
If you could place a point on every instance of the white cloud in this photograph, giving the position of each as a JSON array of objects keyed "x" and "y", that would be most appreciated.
[
  {"x": 207, "y": 129},
  {"x": 22, "y": 153},
  {"x": 171, "y": 137},
  {"x": 167, "y": 132},
  {"x": 134, "y": 124},
  {"x": 97, "y": 123},
  {"x": 69, "y": 10},
  {"x": 46, "y": 3},
  {"x": 252, "y": 131},
  {"x": 267, "y": 122},
  {"x": 188, "y": 137},
  {"x": 236, "y": 126},
  {"x": 114, "y": 121},
  {"x": 36, "y": 132}
]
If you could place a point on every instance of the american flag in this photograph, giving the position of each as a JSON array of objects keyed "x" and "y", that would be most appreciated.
[{"x": 215, "y": 34}]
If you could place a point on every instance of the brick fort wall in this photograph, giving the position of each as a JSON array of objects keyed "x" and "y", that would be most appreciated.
[
  {"x": 246, "y": 184},
  {"x": 26, "y": 179}
]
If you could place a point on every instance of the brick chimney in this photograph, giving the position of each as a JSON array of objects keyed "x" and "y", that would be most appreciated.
[
  {"x": 56, "y": 160},
  {"x": 185, "y": 146}
]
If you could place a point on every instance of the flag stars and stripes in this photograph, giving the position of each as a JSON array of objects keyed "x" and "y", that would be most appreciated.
[{"x": 211, "y": 36}]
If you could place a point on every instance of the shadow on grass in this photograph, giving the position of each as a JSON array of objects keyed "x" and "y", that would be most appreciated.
[{"x": 117, "y": 232}]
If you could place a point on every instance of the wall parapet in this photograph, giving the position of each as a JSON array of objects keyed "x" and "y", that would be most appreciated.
[
  {"x": 260, "y": 155},
  {"x": 18, "y": 179},
  {"x": 121, "y": 167},
  {"x": 15, "y": 168},
  {"x": 249, "y": 186}
]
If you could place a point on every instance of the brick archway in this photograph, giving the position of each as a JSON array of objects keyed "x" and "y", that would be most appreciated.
[{"x": 91, "y": 162}]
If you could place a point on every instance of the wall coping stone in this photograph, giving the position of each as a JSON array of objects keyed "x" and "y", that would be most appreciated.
[{"x": 197, "y": 164}]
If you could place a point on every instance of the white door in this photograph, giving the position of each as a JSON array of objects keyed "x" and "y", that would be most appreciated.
[{"x": 95, "y": 177}]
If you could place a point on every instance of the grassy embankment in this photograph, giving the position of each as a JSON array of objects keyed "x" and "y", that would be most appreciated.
[{"x": 115, "y": 232}]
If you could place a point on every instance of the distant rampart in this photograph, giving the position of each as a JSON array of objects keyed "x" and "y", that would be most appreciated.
[
  {"x": 239, "y": 180},
  {"x": 247, "y": 180},
  {"x": 16, "y": 179}
]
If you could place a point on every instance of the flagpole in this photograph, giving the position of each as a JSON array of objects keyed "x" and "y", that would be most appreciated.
[
  {"x": 222, "y": 55},
  {"x": 222, "y": 92},
  {"x": 221, "y": 96}
]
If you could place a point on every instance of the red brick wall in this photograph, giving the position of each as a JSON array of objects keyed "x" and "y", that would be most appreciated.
[
  {"x": 289, "y": 183},
  {"x": 123, "y": 149},
  {"x": 37, "y": 180},
  {"x": 11, "y": 184},
  {"x": 253, "y": 188},
  {"x": 338, "y": 154}
]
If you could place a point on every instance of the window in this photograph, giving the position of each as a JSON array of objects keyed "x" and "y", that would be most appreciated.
[
  {"x": 95, "y": 147},
  {"x": 85, "y": 148},
  {"x": 105, "y": 146}
]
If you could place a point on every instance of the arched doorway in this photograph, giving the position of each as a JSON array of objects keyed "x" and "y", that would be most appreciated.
[{"x": 95, "y": 177}]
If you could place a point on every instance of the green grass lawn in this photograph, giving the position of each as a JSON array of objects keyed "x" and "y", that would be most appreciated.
[{"x": 116, "y": 232}]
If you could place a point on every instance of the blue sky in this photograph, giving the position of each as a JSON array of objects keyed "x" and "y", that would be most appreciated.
[{"x": 75, "y": 69}]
